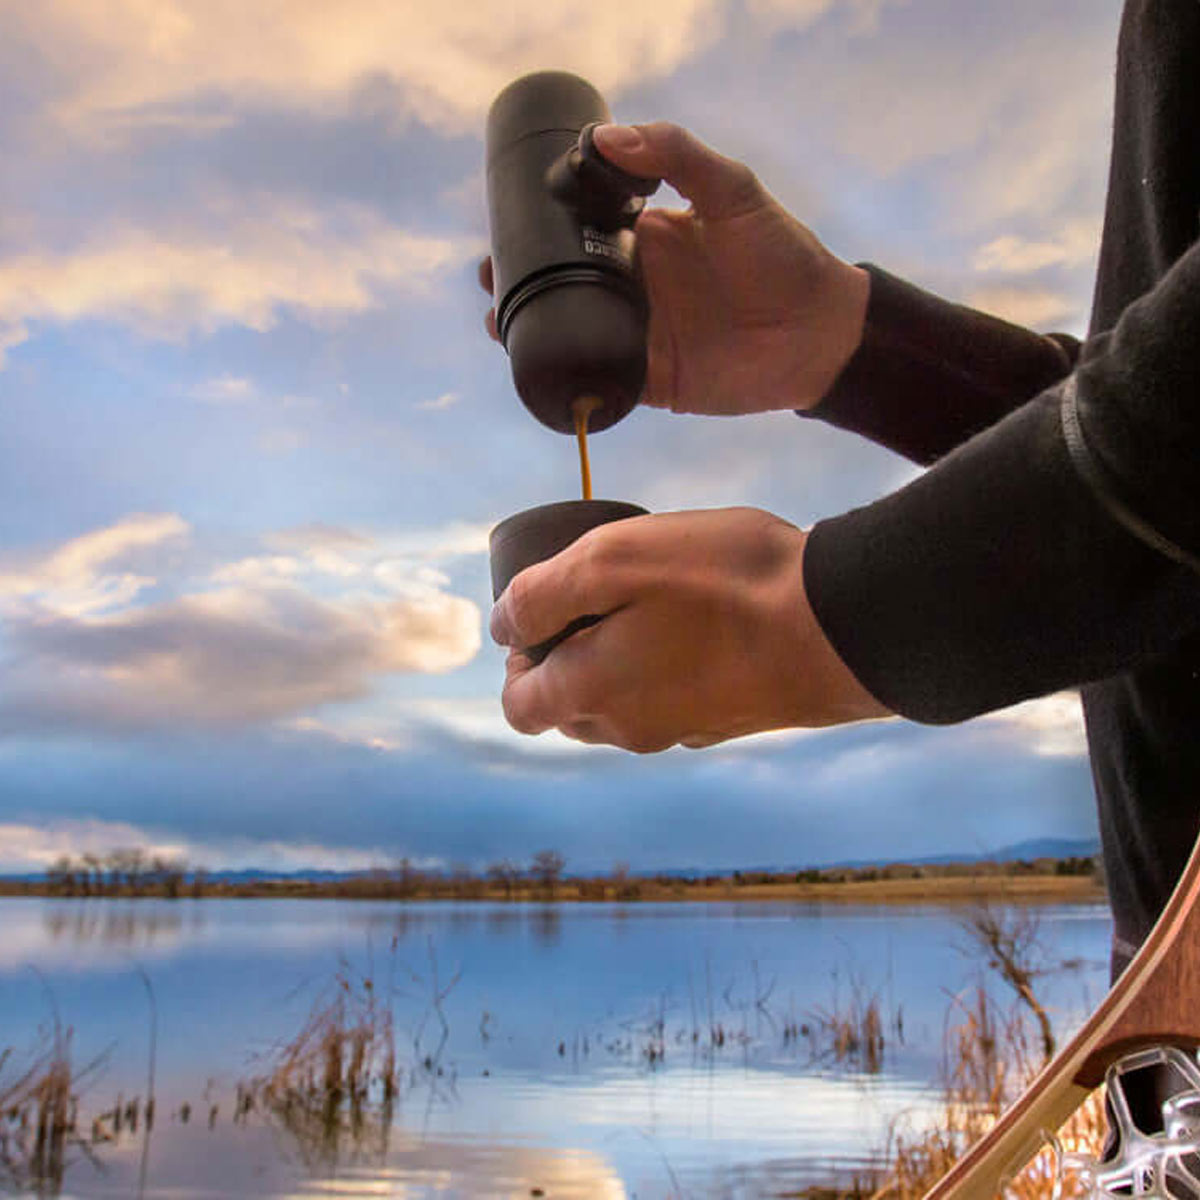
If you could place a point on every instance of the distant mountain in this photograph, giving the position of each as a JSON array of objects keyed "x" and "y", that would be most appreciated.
[
  {"x": 1018, "y": 852},
  {"x": 1046, "y": 848}
]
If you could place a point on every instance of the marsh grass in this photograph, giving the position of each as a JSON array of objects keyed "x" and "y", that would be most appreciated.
[
  {"x": 336, "y": 1081},
  {"x": 335, "y": 1084},
  {"x": 38, "y": 1114},
  {"x": 991, "y": 1057},
  {"x": 851, "y": 1034}
]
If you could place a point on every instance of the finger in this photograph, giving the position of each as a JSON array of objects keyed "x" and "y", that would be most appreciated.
[
  {"x": 487, "y": 280},
  {"x": 560, "y": 691},
  {"x": 660, "y": 252},
  {"x": 489, "y": 323},
  {"x": 585, "y": 729},
  {"x": 718, "y": 187},
  {"x": 592, "y": 576},
  {"x": 520, "y": 702}
]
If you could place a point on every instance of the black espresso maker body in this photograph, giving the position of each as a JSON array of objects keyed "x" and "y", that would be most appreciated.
[{"x": 570, "y": 310}]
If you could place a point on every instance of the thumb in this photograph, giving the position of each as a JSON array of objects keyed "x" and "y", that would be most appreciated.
[{"x": 718, "y": 187}]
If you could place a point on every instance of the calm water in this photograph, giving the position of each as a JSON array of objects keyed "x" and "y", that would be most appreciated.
[{"x": 538, "y": 1068}]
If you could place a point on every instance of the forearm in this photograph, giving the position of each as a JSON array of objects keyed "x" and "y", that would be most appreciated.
[
  {"x": 929, "y": 374},
  {"x": 1003, "y": 573}
]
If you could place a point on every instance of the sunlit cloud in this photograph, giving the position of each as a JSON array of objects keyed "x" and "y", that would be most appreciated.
[
  {"x": 1075, "y": 244},
  {"x": 256, "y": 640},
  {"x": 1035, "y": 308},
  {"x": 225, "y": 389},
  {"x": 227, "y": 657},
  {"x": 183, "y": 64},
  {"x": 445, "y": 400},
  {"x": 26, "y": 846},
  {"x": 1050, "y": 727},
  {"x": 12, "y": 333},
  {"x": 241, "y": 268},
  {"x": 79, "y": 577},
  {"x": 798, "y": 14}
]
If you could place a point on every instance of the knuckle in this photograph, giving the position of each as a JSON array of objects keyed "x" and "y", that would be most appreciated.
[
  {"x": 745, "y": 190},
  {"x": 604, "y": 550},
  {"x": 518, "y": 603},
  {"x": 517, "y": 715},
  {"x": 667, "y": 137},
  {"x": 642, "y": 743}
]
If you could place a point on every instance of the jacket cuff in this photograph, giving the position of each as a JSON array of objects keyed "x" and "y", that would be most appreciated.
[
  {"x": 929, "y": 374},
  {"x": 994, "y": 577}
]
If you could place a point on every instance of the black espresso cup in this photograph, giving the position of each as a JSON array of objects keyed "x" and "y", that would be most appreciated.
[{"x": 539, "y": 533}]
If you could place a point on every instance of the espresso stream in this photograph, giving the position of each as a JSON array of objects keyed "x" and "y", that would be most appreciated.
[{"x": 582, "y": 410}]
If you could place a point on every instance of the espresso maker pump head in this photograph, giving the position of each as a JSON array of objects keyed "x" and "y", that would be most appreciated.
[{"x": 569, "y": 308}]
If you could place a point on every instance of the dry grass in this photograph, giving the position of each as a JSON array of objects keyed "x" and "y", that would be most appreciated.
[
  {"x": 990, "y": 1063},
  {"x": 850, "y": 1034},
  {"x": 38, "y": 1115},
  {"x": 336, "y": 1080}
]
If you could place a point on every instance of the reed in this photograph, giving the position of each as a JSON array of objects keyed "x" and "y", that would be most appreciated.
[
  {"x": 850, "y": 1032},
  {"x": 991, "y": 1058},
  {"x": 38, "y": 1109},
  {"x": 333, "y": 1086}
]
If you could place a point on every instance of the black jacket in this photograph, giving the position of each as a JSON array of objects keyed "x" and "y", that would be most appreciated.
[{"x": 1055, "y": 540}]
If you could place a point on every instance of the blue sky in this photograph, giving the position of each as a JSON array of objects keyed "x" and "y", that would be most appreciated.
[{"x": 254, "y": 436}]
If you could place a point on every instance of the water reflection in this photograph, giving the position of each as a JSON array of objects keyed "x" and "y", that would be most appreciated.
[
  {"x": 246, "y": 1161},
  {"x": 545, "y": 920},
  {"x": 125, "y": 924},
  {"x": 586, "y": 1047}
]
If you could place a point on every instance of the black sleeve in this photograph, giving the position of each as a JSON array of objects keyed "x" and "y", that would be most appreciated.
[
  {"x": 1049, "y": 550},
  {"x": 929, "y": 373}
]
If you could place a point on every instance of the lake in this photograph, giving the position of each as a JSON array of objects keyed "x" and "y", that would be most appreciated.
[{"x": 607, "y": 1050}]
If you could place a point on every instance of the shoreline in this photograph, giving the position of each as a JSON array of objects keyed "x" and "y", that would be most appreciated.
[{"x": 950, "y": 889}]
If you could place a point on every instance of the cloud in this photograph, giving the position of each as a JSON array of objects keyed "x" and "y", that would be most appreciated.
[
  {"x": 1075, "y": 244},
  {"x": 401, "y": 561},
  {"x": 181, "y": 64},
  {"x": 25, "y": 846},
  {"x": 79, "y": 577},
  {"x": 317, "y": 536},
  {"x": 12, "y": 334},
  {"x": 225, "y": 658},
  {"x": 445, "y": 400},
  {"x": 237, "y": 267},
  {"x": 799, "y": 14},
  {"x": 1030, "y": 306},
  {"x": 1050, "y": 727},
  {"x": 225, "y": 389},
  {"x": 254, "y": 640}
]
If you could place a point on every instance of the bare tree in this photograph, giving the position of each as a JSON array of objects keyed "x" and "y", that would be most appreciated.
[
  {"x": 408, "y": 878},
  {"x": 60, "y": 875},
  {"x": 505, "y": 875},
  {"x": 546, "y": 871},
  {"x": 93, "y": 875},
  {"x": 1010, "y": 941}
]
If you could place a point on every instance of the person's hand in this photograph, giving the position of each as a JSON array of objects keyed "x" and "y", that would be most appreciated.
[
  {"x": 749, "y": 312},
  {"x": 706, "y": 635}
]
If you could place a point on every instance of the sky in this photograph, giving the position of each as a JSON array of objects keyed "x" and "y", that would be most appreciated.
[{"x": 253, "y": 436}]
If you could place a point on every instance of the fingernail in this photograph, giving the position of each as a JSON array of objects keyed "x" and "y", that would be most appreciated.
[{"x": 622, "y": 138}]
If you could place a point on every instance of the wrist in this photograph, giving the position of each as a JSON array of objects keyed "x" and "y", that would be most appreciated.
[
  {"x": 825, "y": 690},
  {"x": 840, "y": 323}
]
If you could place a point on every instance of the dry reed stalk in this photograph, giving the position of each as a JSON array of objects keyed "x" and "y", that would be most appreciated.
[
  {"x": 853, "y": 1033},
  {"x": 990, "y": 1064},
  {"x": 337, "y": 1078},
  {"x": 38, "y": 1115}
]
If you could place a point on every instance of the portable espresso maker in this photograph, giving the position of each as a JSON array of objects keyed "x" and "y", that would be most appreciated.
[{"x": 570, "y": 310}]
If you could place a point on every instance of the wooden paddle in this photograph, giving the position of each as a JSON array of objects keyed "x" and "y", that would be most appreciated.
[{"x": 1156, "y": 1001}]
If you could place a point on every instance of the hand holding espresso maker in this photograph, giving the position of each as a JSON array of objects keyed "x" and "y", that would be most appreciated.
[{"x": 570, "y": 309}]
